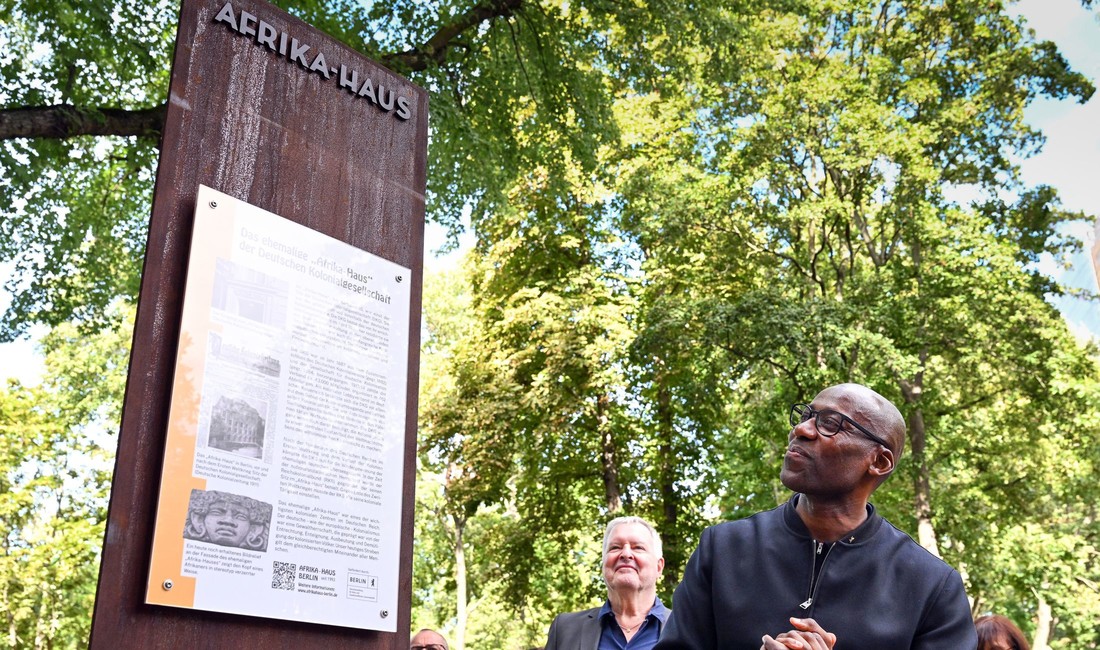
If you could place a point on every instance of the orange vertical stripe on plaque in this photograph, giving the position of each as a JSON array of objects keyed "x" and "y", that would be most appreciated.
[{"x": 212, "y": 238}]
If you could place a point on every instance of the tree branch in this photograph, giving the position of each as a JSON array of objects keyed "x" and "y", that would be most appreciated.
[
  {"x": 435, "y": 50},
  {"x": 66, "y": 121}
]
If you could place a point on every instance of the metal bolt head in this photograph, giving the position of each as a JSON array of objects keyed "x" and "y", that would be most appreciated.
[
  {"x": 213, "y": 204},
  {"x": 384, "y": 613},
  {"x": 167, "y": 584}
]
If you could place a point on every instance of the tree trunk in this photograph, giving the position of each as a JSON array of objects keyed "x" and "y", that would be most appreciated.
[
  {"x": 926, "y": 533},
  {"x": 609, "y": 464},
  {"x": 912, "y": 390},
  {"x": 922, "y": 488},
  {"x": 1044, "y": 625},
  {"x": 41, "y": 625},
  {"x": 667, "y": 483},
  {"x": 458, "y": 642},
  {"x": 13, "y": 632}
]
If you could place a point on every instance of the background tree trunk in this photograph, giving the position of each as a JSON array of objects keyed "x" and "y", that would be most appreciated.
[
  {"x": 1044, "y": 625},
  {"x": 922, "y": 487},
  {"x": 667, "y": 477},
  {"x": 609, "y": 463},
  {"x": 461, "y": 595}
]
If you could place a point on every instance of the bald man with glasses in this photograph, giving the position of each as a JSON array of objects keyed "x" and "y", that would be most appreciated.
[
  {"x": 824, "y": 569},
  {"x": 428, "y": 640}
]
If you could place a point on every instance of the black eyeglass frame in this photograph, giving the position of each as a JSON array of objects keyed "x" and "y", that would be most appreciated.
[
  {"x": 803, "y": 412},
  {"x": 430, "y": 646}
]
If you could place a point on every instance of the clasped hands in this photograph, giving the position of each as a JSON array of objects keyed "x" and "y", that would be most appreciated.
[{"x": 806, "y": 635}]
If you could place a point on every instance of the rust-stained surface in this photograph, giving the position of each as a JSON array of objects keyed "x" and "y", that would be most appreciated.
[{"x": 248, "y": 121}]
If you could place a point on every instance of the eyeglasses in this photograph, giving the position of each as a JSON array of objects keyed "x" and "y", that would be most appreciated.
[
  {"x": 829, "y": 422},
  {"x": 430, "y": 646}
]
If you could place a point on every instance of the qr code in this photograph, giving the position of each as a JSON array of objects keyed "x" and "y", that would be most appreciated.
[{"x": 282, "y": 575}]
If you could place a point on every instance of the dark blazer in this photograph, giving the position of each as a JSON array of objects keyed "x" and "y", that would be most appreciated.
[
  {"x": 582, "y": 630},
  {"x": 575, "y": 631}
]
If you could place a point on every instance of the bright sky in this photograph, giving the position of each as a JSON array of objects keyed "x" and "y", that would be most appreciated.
[{"x": 1070, "y": 162}]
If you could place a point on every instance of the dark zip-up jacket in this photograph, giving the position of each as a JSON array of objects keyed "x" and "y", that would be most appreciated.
[{"x": 875, "y": 589}]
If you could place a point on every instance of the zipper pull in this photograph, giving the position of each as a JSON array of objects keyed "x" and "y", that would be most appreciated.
[
  {"x": 806, "y": 605},
  {"x": 819, "y": 547}
]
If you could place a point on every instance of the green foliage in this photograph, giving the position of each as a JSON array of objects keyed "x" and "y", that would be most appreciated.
[
  {"x": 76, "y": 210},
  {"x": 56, "y": 452}
]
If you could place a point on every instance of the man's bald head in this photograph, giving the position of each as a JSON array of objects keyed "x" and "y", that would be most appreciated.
[
  {"x": 872, "y": 411},
  {"x": 428, "y": 639}
]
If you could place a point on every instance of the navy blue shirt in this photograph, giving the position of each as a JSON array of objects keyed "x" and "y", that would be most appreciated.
[{"x": 612, "y": 637}]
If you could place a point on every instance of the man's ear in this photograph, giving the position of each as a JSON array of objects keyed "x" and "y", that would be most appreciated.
[{"x": 883, "y": 463}]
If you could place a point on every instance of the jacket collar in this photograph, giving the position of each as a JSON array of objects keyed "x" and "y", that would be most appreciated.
[{"x": 860, "y": 535}]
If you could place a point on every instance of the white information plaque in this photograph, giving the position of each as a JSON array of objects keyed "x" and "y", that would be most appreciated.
[{"x": 281, "y": 489}]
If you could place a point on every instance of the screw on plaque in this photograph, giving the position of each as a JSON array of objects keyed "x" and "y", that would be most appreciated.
[
  {"x": 399, "y": 279},
  {"x": 213, "y": 204},
  {"x": 167, "y": 584},
  {"x": 384, "y": 613}
]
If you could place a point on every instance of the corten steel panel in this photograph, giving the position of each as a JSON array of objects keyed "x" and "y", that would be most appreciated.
[{"x": 251, "y": 123}]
